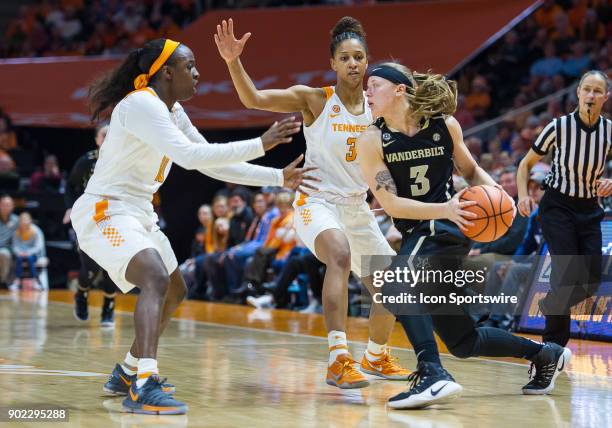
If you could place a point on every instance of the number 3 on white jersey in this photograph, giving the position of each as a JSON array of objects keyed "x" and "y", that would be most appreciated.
[{"x": 351, "y": 155}]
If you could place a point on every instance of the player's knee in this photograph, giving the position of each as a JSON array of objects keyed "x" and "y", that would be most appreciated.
[
  {"x": 158, "y": 281},
  {"x": 341, "y": 259}
]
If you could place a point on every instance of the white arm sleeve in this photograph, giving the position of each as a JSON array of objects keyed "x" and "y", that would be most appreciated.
[
  {"x": 148, "y": 119},
  {"x": 241, "y": 173}
]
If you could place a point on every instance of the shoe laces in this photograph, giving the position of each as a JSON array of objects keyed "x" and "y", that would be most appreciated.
[
  {"x": 388, "y": 362},
  {"x": 542, "y": 372},
  {"x": 348, "y": 367},
  {"x": 416, "y": 377},
  {"x": 154, "y": 388}
]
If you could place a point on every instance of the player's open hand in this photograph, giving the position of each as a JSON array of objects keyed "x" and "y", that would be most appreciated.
[
  {"x": 604, "y": 187},
  {"x": 456, "y": 213},
  {"x": 280, "y": 133},
  {"x": 229, "y": 47},
  {"x": 526, "y": 206},
  {"x": 298, "y": 178}
]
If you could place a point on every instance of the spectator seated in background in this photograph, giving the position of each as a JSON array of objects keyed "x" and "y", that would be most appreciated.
[
  {"x": 546, "y": 14},
  {"x": 274, "y": 252},
  {"x": 240, "y": 221},
  {"x": 219, "y": 210},
  {"x": 548, "y": 66},
  {"x": 49, "y": 179},
  {"x": 300, "y": 261},
  {"x": 242, "y": 215},
  {"x": 478, "y": 100},
  {"x": 236, "y": 258},
  {"x": 197, "y": 249},
  {"x": 28, "y": 247},
  {"x": 215, "y": 289},
  {"x": 8, "y": 226},
  {"x": 577, "y": 63}
]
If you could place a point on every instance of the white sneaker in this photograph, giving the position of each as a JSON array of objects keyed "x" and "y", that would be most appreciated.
[
  {"x": 314, "y": 307},
  {"x": 15, "y": 285},
  {"x": 262, "y": 302}
]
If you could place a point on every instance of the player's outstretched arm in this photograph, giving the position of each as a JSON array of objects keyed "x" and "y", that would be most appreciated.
[
  {"x": 248, "y": 174},
  {"x": 299, "y": 98},
  {"x": 383, "y": 187},
  {"x": 146, "y": 117}
]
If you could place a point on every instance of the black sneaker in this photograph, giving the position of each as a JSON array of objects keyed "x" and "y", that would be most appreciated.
[
  {"x": 152, "y": 400},
  {"x": 108, "y": 312},
  {"x": 81, "y": 309},
  {"x": 431, "y": 384},
  {"x": 546, "y": 365}
]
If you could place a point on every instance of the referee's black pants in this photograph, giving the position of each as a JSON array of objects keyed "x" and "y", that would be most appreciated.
[{"x": 572, "y": 230}]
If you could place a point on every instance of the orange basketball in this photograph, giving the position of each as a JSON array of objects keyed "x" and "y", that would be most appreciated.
[{"x": 494, "y": 210}]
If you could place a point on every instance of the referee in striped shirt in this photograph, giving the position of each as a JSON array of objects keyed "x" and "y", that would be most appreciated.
[{"x": 570, "y": 213}]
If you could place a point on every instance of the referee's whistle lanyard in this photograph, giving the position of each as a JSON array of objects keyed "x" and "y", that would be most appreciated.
[{"x": 588, "y": 126}]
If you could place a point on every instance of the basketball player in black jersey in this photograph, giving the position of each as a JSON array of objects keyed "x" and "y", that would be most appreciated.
[
  {"x": 407, "y": 158},
  {"x": 90, "y": 274}
]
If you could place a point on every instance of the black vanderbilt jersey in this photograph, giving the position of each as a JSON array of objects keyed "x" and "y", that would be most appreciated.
[{"x": 421, "y": 165}]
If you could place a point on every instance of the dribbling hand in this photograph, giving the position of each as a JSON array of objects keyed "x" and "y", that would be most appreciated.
[
  {"x": 280, "y": 133},
  {"x": 229, "y": 47},
  {"x": 455, "y": 211}
]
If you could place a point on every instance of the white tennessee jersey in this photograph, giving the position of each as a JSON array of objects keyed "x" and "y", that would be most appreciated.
[
  {"x": 144, "y": 138},
  {"x": 331, "y": 147}
]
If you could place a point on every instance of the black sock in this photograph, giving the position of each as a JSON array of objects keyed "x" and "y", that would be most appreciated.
[{"x": 419, "y": 329}]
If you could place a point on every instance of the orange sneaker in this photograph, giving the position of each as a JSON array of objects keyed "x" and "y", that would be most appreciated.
[
  {"x": 386, "y": 367},
  {"x": 343, "y": 373}
]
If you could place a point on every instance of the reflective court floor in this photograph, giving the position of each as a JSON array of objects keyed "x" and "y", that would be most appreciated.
[{"x": 241, "y": 367}]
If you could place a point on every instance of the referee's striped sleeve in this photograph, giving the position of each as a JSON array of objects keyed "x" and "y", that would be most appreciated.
[{"x": 546, "y": 139}]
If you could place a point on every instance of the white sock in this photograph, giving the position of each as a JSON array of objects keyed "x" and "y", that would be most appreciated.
[
  {"x": 375, "y": 351},
  {"x": 129, "y": 363},
  {"x": 337, "y": 345},
  {"x": 146, "y": 368}
]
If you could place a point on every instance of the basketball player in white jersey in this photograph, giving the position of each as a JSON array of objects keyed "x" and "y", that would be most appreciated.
[
  {"x": 334, "y": 222},
  {"x": 114, "y": 219}
]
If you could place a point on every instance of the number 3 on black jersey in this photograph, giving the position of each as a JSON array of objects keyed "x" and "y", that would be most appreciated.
[{"x": 421, "y": 182}]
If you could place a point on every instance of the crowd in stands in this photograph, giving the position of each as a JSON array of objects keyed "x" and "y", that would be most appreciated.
[
  {"x": 545, "y": 53},
  {"x": 99, "y": 27},
  {"x": 80, "y": 27}
]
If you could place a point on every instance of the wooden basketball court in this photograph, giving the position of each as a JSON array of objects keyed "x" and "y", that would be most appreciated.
[{"x": 236, "y": 366}]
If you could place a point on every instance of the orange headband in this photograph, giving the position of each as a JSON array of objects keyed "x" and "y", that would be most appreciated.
[{"x": 143, "y": 79}]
